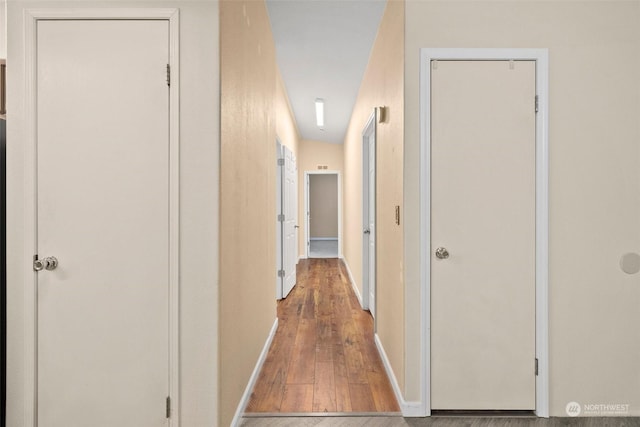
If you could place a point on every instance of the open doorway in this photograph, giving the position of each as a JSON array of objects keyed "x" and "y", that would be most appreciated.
[{"x": 323, "y": 213}]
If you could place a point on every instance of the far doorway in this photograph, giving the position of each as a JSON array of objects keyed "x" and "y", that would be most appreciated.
[{"x": 323, "y": 208}]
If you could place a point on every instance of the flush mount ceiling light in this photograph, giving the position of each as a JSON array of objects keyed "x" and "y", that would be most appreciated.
[{"x": 320, "y": 112}]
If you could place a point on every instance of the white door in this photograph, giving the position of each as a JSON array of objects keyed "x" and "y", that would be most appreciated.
[
  {"x": 290, "y": 221},
  {"x": 369, "y": 215},
  {"x": 280, "y": 239},
  {"x": 103, "y": 212},
  {"x": 483, "y": 235}
]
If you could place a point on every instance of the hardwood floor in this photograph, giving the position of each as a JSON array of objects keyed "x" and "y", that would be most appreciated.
[
  {"x": 323, "y": 357},
  {"x": 439, "y": 422}
]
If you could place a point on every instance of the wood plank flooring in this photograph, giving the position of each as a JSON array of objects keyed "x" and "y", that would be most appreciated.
[
  {"x": 323, "y": 357},
  {"x": 439, "y": 422}
]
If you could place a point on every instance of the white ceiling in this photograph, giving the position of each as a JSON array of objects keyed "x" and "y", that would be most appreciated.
[{"x": 322, "y": 49}]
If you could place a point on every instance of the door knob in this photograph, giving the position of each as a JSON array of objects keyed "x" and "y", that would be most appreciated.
[
  {"x": 48, "y": 263},
  {"x": 442, "y": 253},
  {"x": 367, "y": 231}
]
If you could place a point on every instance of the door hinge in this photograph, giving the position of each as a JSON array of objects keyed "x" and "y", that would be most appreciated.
[
  {"x": 537, "y": 105},
  {"x": 280, "y": 273},
  {"x": 280, "y": 162},
  {"x": 168, "y": 407},
  {"x": 281, "y": 218},
  {"x": 168, "y": 75},
  {"x": 536, "y": 366}
]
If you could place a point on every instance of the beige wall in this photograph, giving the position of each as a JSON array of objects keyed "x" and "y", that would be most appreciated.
[
  {"x": 247, "y": 194},
  {"x": 382, "y": 85},
  {"x": 3, "y": 29},
  {"x": 323, "y": 206},
  {"x": 310, "y": 155},
  {"x": 286, "y": 126},
  {"x": 594, "y": 179},
  {"x": 199, "y": 145}
]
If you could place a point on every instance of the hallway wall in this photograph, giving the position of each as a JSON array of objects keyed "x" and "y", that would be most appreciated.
[
  {"x": 594, "y": 49},
  {"x": 312, "y": 154},
  {"x": 3, "y": 29},
  {"x": 286, "y": 126},
  {"x": 247, "y": 194},
  {"x": 382, "y": 85},
  {"x": 323, "y": 206}
]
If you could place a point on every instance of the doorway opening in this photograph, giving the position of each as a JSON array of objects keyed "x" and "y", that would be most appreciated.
[{"x": 323, "y": 212}]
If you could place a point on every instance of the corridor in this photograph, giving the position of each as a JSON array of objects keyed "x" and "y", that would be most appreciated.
[{"x": 323, "y": 357}]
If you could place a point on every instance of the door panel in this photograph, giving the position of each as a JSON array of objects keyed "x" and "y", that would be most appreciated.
[
  {"x": 372, "y": 223},
  {"x": 103, "y": 211},
  {"x": 291, "y": 220},
  {"x": 369, "y": 216},
  {"x": 483, "y": 213},
  {"x": 279, "y": 223}
]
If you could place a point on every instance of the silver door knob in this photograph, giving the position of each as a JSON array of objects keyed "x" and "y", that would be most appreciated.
[
  {"x": 442, "y": 253},
  {"x": 367, "y": 231},
  {"x": 48, "y": 263}
]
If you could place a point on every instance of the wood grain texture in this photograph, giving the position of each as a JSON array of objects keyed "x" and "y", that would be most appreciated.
[
  {"x": 386, "y": 421},
  {"x": 323, "y": 357},
  {"x": 297, "y": 397}
]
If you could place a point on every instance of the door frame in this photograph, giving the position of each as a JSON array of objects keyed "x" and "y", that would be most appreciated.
[
  {"x": 279, "y": 224},
  {"x": 307, "y": 233},
  {"x": 367, "y": 281},
  {"x": 541, "y": 57},
  {"x": 32, "y": 16}
]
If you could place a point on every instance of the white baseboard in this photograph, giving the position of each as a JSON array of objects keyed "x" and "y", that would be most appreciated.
[
  {"x": 301, "y": 257},
  {"x": 323, "y": 238},
  {"x": 409, "y": 409},
  {"x": 353, "y": 282},
  {"x": 254, "y": 376}
]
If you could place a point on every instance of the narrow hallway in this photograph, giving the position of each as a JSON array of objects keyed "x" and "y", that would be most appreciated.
[{"x": 323, "y": 357}]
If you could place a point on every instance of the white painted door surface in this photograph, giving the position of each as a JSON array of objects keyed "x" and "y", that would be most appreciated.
[
  {"x": 279, "y": 224},
  {"x": 103, "y": 211},
  {"x": 369, "y": 215},
  {"x": 483, "y": 213},
  {"x": 290, "y": 221},
  {"x": 371, "y": 225}
]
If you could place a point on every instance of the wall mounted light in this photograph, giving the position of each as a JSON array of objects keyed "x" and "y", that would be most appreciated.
[{"x": 320, "y": 112}]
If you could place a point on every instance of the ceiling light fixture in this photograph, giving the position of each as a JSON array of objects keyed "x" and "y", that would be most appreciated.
[{"x": 320, "y": 112}]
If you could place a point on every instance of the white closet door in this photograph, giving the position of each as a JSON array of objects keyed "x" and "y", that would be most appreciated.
[{"x": 103, "y": 212}]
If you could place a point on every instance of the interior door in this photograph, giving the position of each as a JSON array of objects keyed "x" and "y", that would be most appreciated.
[
  {"x": 372, "y": 224},
  {"x": 280, "y": 239},
  {"x": 369, "y": 214},
  {"x": 103, "y": 212},
  {"x": 290, "y": 220},
  {"x": 483, "y": 235}
]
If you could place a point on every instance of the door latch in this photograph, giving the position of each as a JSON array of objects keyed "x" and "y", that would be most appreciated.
[
  {"x": 442, "y": 253},
  {"x": 48, "y": 263}
]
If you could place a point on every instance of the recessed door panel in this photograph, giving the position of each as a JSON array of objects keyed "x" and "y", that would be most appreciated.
[
  {"x": 290, "y": 205},
  {"x": 483, "y": 235},
  {"x": 103, "y": 212}
]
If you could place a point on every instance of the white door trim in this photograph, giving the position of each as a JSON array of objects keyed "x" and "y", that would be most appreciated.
[
  {"x": 279, "y": 224},
  {"x": 32, "y": 17},
  {"x": 307, "y": 234},
  {"x": 368, "y": 130},
  {"x": 541, "y": 56}
]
